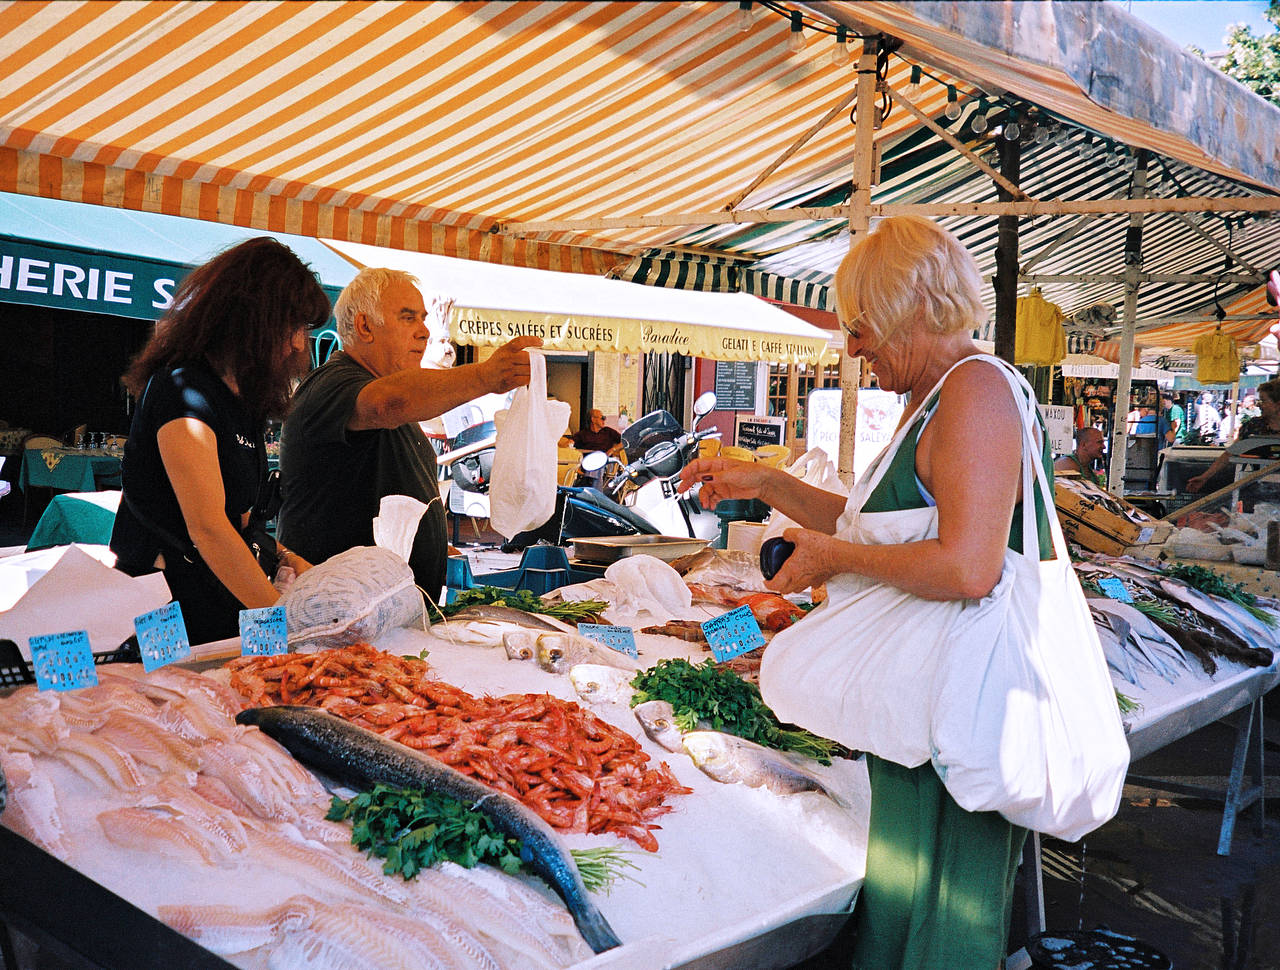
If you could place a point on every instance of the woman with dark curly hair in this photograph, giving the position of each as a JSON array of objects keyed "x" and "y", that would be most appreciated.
[{"x": 220, "y": 363}]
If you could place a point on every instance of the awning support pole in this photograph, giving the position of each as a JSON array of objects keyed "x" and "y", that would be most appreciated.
[
  {"x": 1006, "y": 278},
  {"x": 864, "y": 132},
  {"x": 1132, "y": 272}
]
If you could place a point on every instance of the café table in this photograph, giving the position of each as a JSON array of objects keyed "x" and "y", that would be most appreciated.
[
  {"x": 66, "y": 469},
  {"x": 84, "y": 517}
]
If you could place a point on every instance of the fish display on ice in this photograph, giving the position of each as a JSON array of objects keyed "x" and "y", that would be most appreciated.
[
  {"x": 731, "y": 759},
  {"x": 601, "y": 684},
  {"x": 360, "y": 758}
]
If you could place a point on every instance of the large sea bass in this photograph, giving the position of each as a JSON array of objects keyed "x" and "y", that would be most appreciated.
[{"x": 360, "y": 758}]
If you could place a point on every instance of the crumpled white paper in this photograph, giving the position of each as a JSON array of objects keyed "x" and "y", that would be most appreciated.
[
  {"x": 71, "y": 589},
  {"x": 642, "y": 590},
  {"x": 396, "y": 524}
]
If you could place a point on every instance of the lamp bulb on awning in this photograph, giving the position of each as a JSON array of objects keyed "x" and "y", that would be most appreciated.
[
  {"x": 841, "y": 54},
  {"x": 979, "y": 122},
  {"x": 796, "y": 42},
  {"x": 952, "y": 111},
  {"x": 743, "y": 17}
]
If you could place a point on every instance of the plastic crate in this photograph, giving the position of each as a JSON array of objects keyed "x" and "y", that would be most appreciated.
[{"x": 16, "y": 671}]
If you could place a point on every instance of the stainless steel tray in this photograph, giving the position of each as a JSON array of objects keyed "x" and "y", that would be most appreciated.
[{"x": 613, "y": 548}]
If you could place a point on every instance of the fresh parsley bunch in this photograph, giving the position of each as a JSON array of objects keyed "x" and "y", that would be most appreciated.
[{"x": 702, "y": 692}]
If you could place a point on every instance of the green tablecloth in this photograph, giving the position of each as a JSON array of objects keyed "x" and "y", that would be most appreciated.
[
  {"x": 76, "y": 517},
  {"x": 66, "y": 469}
]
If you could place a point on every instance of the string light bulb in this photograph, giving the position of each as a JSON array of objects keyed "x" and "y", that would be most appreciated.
[
  {"x": 952, "y": 111},
  {"x": 796, "y": 42},
  {"x": 743, "y": 16},
  {"x": 841, "y": 54},
  {"x": 979, "y": 122},
  {"x": 913, "y": 88},
  {"x": 1012, "y": 130}
]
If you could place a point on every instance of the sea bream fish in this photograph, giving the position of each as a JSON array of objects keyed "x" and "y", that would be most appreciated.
[
  {"x": 658, "y": 721},
  {"x": 485, "y": 624},
  {"x": 559, "y": 652},
  {"x": 731, "y": 759},
  {"x": 598, "y": 683},
  {"x": 359, "y": 758}
]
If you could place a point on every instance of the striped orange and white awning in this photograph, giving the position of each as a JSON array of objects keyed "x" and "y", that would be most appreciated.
[{"x": 440, "y": 127}]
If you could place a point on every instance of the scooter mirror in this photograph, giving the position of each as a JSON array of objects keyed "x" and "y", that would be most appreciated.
[
  {"x": 593, "y": 461},
  {"x": 705, "y": 403}
]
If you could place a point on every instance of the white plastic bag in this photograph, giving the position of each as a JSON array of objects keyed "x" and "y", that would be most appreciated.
[
  {"x": 816, "y": 468},
  {"x": 1009, "y": 696},
  {"x": 522, "y": 485},
  {"x": 353, "y": 597}
]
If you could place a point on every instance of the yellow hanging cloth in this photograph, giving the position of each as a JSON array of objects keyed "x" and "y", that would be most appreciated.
[
  {"x": 1039, "y": 337},
  {"x": 1217, "y": 358}
]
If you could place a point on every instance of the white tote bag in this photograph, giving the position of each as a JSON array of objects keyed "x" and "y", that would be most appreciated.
[
  {"x": 1009, "y": 695},
  {"x": 522, "y": 483}
]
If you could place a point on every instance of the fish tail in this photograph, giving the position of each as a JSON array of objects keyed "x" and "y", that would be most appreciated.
[{"x": 595, "y": 929}]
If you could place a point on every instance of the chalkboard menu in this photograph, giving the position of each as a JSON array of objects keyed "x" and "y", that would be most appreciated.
[
  {"x": 735, "y": 385},
  {"x": 758, "y": 433}
]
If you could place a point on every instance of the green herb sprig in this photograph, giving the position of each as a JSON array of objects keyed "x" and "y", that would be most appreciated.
[
  {"x": 1126, "y": 704},
  {"x": 1207, "y": 581},
  {"x": 413, "y": 829},
  {"x": 702, "y": 692},
  {"x": 523, "y": 599}
]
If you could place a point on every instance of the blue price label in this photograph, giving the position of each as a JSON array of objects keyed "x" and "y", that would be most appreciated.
[
  {"x": 1114, "y": 589},
  {"x": 620, "y": 638},
  {"x": 732, "y": 634},
  {"x": 162, "y": 636},
  {"x": 264, "y": 632},
  {"x": 63, "y": 661}
]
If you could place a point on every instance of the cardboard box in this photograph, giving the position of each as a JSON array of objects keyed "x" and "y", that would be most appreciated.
[{"x": 1101, "y": 522}]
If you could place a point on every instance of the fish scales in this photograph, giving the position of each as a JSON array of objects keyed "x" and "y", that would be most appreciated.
[{"x": 362, "y": 758}]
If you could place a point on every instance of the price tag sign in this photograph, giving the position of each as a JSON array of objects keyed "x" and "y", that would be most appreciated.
[
  {"x": 264, "y": 632},
  {"x": 63, "y": 661},
  {"x": 1115, "y": 589},
  {"x": 620, "y": 638},
  {"x": 732, "y": 634},
  {"x": 162, "y": 636}
]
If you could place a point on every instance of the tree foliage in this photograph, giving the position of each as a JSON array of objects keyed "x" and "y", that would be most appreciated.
[{"x": 1254, "y": 60}]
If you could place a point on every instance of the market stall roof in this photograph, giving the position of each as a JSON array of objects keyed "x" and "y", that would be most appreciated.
[
  {"x": 678, "y": 144},
  {"x": 569, "y": 311},
  {"x": 148, "y": 254}
]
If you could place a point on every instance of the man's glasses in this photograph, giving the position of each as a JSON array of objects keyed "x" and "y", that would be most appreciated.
[{"x": 850, "y": 327}]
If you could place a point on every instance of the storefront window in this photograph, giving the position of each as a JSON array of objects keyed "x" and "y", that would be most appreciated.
[{"x": 789, "y": 388}]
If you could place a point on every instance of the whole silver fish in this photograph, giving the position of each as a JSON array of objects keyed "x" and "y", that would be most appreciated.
[
  {"x": 598, "y": 683},
  {"x": 509, "y": 614},
  {"x": 520, "y": 644},
  {"x": 557, "y": 652},
  {"x": 359, "y": 758},
  {"x": 731, "y": 759},
  {"x": 658, "y": 721}
]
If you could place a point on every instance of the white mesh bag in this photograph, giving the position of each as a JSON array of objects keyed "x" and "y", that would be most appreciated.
[{"x": 353, "y": 597}]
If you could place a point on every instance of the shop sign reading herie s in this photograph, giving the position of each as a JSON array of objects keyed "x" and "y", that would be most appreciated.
[
  {"x": 162, "y": 636},
  {"x": 62, "y": 661},
  {"x": 732, "y": 634},
  {"x": 74, "y": 279}
]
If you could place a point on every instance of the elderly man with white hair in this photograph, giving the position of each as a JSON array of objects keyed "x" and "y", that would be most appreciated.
[{"x": 352, "y": 434}]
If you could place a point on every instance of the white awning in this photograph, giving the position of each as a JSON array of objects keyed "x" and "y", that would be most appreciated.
[{"x": 572, "y": 311}]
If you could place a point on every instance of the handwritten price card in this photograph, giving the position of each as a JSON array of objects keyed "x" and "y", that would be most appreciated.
[
  {"x": 63, "y": 661},
  {"x": 620, "y": 638},
  {"x": 264, "y": 632},
  {"x": 732, "y": 634},
  {"x": 162, "y": 636},
  {"x": 1114, "y": 589}
]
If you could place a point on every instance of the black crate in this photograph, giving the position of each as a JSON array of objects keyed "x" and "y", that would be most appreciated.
[{"x": 16, "y": 671}]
